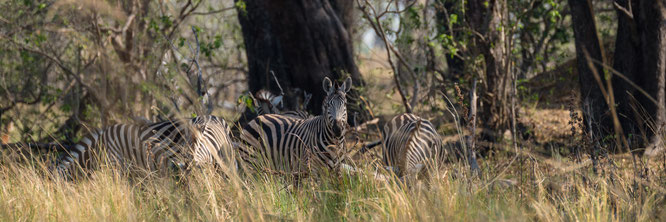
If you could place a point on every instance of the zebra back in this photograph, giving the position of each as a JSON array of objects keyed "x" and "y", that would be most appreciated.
[
  {"x": 299, "y": 114},
  {"x": 410, "y": 143},
  {"x": 154, "y": 147},
  {"x": 121, "y": 143}
]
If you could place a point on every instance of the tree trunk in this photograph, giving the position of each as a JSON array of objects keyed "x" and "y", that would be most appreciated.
[
  {"x": 301, "y": 42},
  {"x": 652, "y": 27},
  {"x": 627, "y": 57},
  {"x": 589, "y": 50},
  {"x": 641, "y": 57},
  {"x": 487, "y": 18}
]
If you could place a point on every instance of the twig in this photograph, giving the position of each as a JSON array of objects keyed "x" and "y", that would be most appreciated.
[
  {"x": 201, "y": 86},
  {"x": 364, "y": 125},
  {"x": 626, "y": 11},
  {"x": 627, "y": 80},
  {"x": 279, "y": 86},
  {"x": 380, "y": 31},
  {"x": 214, "y": 11},
  {"x": 471, "y": 155},
  {"x": 184, "y": 13},
  {"x": 278, "y": 83},
  {"x": 609, "y": 98}
]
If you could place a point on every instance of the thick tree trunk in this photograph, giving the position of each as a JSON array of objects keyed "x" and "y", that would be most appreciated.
[
  {"x": 301, "y": 42},
  {"x": 627, "y": 57},
  {"x": 589, "y": 50},
  {"x": 487, "y": 17},
  {"x": 640, "y": 57},
  {"x": 652, "y": 21}
]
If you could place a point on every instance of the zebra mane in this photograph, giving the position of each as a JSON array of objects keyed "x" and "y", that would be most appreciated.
[
  {"x": 264, "y": 95},
  {"x": 266, "y": 102}
]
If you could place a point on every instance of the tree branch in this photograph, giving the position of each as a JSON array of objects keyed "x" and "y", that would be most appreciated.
[
  {"x": 380, "y": 32},
  {"x": 214, "y": 11}
]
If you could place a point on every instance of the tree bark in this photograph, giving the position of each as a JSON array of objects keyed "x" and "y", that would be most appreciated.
[
  {"x": 627, "y": 57},
  {"x": 589, "y": 50},
  {"x": 652, "y": 26},
  {"x": 301, "y": 42},
  {"x": 641, "y": 57},
  {"x": 486, "y": 18}
]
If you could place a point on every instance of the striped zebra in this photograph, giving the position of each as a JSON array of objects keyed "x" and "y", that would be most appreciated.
[
  {"x": 410, "y": 143},
  {"x": 212, "y": 144},
  {"x": 285, "y": 143},
  {"x": 152, "y": 147},
  {"x": 267, "y": 103}
]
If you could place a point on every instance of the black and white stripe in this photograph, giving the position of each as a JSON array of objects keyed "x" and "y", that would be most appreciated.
[
  {"x": 267, "y": 103},
  {"x": 410, "y": 143},
  {"x": 153, "y": 147},
  {"x": 285, "y": 143},
  {"x": 211, "y": 144}
]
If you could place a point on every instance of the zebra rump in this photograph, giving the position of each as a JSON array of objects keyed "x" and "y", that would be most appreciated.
[{"x": 410, "y": 144}]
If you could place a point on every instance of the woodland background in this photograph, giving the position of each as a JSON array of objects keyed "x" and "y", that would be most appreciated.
[{"x": 522, "y": 87}]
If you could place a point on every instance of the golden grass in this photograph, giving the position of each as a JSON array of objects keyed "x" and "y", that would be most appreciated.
[{"x": 525, "y": 190}]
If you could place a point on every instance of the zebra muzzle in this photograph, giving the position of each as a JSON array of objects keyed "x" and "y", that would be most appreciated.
[{"x": 338, "y": 128}]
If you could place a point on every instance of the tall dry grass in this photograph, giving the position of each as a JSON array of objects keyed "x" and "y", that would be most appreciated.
[{"x": 532, "y": 190}]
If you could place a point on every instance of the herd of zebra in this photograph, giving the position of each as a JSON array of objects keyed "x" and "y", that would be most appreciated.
[{"x": 279, "y": 141}]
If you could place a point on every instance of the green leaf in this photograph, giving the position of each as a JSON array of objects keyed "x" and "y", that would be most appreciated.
[
  {"x": 453, "y": 19},
  {"x": 242, "y": 7}
]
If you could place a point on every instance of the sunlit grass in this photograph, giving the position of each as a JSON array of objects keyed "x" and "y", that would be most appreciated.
[{"x": 28, "y": 193}]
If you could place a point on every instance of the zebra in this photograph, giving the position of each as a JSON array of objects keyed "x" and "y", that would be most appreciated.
[
  {"x": 410, "y": 143},
  {"x": 212, "y": 144},
  {"x": 285, "y": 143},
  {"x": 267, "y": 103},
  {"x": 152, "y": 147}
]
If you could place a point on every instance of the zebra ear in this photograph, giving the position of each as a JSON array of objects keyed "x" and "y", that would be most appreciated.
[
  {"x": 328, "y": 86},
  {"x": 346, "y": 86},
  {"x": 277, "y": 100}
]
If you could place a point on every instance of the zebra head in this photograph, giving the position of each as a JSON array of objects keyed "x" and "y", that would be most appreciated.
[{"x": 335, "y": 105}]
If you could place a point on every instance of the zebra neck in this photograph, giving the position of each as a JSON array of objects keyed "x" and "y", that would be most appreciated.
[{"x": 324, "y": 136}]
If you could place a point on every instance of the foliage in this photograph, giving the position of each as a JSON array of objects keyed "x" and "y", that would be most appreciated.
[{"x": 67, "y": 63}]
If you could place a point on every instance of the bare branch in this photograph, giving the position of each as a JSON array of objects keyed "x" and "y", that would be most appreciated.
[
  {"x": 277, "y": 82},
  {"x": 374, "y": 22},
  {"x": 214, "y": 11},
  {"x": 471, "y": 153},
  {"x": 626, "y": 11}
]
